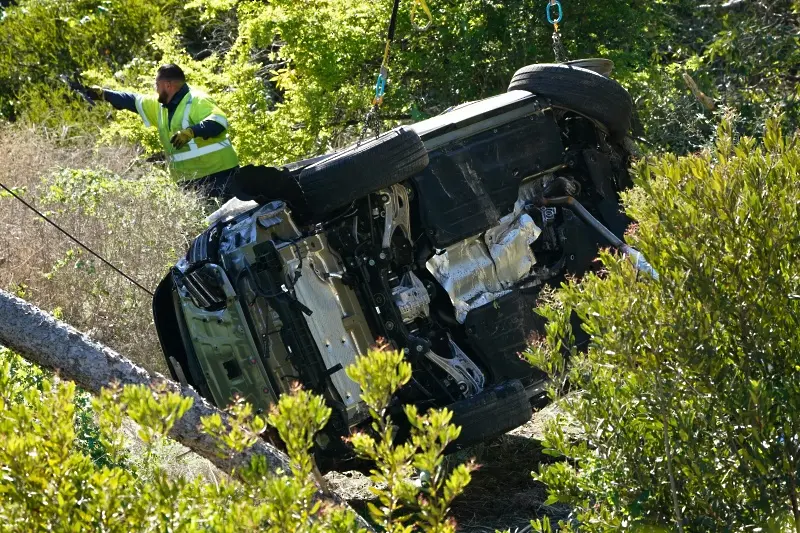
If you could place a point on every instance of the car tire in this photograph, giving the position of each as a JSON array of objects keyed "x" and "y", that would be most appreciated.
[
  {"x": 580, "y": 90},
  {"x": 491, "y": 413},
  {"x": 363, "y": 168}
]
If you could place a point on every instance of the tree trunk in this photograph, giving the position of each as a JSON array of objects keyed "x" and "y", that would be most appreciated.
[{"x": 41, "y": 339}]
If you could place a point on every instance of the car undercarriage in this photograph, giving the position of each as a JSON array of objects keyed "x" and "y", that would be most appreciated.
[{"x": 436, "y": 238}]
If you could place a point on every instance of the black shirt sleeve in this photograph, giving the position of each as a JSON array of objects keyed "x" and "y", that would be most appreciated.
[
  {"x": 120, "y": 100},
  {"x": 208, "y": 128}
]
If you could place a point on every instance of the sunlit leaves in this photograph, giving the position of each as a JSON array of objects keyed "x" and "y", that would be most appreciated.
[{"x": 709, "y": 351}]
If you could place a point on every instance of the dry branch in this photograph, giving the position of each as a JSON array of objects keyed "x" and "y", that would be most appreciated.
[{"x": 704, "y": 99}]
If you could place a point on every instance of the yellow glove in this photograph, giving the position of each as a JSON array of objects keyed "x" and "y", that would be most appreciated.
[{"x": 182, "y": 137}]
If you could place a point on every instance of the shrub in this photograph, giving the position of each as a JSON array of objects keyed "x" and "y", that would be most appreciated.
[
  {"x": 49, "y": 481},
  {"x": 129, "y": 212},
  {"x": 690, "y": 391},
  {"x": 296, "y": 78},
  {"x": 741, "y": 54},
  {"x": 26, "y": 378},
  {"x": 45, "y": 38},
  {"x": 402, "y": 503}
]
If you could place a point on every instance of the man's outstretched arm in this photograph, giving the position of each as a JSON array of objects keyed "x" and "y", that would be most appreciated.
[
  {"x": 117, "y": 99},
  {"x": 145, "y": 106}
]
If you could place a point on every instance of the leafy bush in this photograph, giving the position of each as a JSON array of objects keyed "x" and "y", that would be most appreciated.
[
  {"x": 690, "y": 391},
  {"x": 26, "y": 378},
  {"x": 49, "y": 481},
  {"x": 297, "y": 78},
  {"x": 402, "y": 503},
  {"x": 744, "y": 55},
  {"x": 45, "y": 38}
]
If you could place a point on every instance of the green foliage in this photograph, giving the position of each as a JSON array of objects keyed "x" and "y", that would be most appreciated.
[
  {"x": 315, "y": 63},
  {"x": 690, "y": 395},
  {"x": 243, "y": 431},
  {"x": 44, "y": 38},
  {"x": 23, "y": 375},
  {"x": 401, "y": 504},
  {"x": 289, "y": 497},
  {"x": 26, "y": 378},
  {"x": 56, "y": 112},
  {"x": 742, "y": 55},
  {"x": 49, "y": 479},
  {"x": 296, "y": 78}
]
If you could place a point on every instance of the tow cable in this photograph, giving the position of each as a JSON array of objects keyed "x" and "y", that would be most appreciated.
[
  {"x": 373, "y": 115},
  {"x": 553, "y": 10},
  {"x": 558, "y": 47},
  {"x": 75, "y": 240}
]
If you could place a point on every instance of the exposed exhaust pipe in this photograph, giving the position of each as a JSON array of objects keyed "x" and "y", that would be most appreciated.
[{"x": 639, "y": 262}]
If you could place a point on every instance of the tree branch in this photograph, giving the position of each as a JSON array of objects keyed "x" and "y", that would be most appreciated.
[
  {"x": 676, "y": 506},
  {"x": 707, "y": 101}
]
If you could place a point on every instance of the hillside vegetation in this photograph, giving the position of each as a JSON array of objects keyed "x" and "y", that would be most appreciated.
[
  {"x": 296, "y": 77},
  {"x": 690, "y": 388},
  {"x": 688, "y": 397}
]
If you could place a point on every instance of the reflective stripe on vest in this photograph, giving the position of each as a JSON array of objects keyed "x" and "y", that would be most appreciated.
[
  {"x": 160, "y": 126},
  {"x": 194, "y": 150},
  {"x": 161, "y": 112},
  {"x": 192, "y": 144},
  {"x": 197, "y": 152},
  {"x": 184, "y": 124},
  {"x": 141, "y": 111},
  {"x": 219, "y": 119}
]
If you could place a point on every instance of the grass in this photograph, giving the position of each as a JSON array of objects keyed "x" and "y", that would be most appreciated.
[{"x": 119, "y": 205}]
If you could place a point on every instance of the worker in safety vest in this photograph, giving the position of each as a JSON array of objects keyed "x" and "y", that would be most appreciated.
[{"x": 192, "y": 129}]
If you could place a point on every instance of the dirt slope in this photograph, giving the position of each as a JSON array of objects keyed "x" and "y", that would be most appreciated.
[{"x": 502, "y": 495}]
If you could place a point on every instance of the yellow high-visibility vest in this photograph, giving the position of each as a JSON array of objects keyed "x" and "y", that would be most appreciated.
[{"x": 200, "y": 157}]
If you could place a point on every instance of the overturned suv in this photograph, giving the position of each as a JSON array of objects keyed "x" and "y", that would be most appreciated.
[{"x": 436, "y": 237}]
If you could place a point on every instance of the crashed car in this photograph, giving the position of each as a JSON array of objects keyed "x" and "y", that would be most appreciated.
[{"x": 436, "y": 237}]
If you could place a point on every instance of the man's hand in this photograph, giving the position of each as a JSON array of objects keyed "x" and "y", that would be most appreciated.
[
  {"x": 182, "y": 137},
  {"x": 94, "y": 92}
]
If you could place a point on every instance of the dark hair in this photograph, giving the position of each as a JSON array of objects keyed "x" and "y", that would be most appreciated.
[{"x": 170, "y": 72}]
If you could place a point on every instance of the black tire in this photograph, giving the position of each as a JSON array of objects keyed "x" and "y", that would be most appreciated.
[
  {"x": 361, "y": 169},
  {"x": 491, "y": 413},
  {"x": 580, "y": 90}
]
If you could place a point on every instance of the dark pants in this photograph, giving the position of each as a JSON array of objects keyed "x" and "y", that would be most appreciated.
[{"x": 216, "y": 185}]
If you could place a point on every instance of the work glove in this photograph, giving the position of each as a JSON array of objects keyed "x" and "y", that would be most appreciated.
[
  {"x": 182, "y": 137},
  {"x": 94, "y": 92}
]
